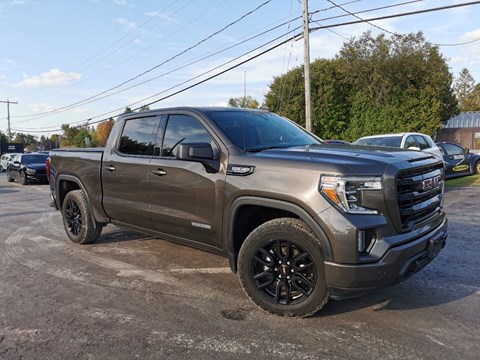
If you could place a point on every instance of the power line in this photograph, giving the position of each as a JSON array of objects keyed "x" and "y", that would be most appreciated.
[
  {"x": 265, "y": 51},
  {"x": 416, "y": 12},
  {"x": 158, "y": 65}
]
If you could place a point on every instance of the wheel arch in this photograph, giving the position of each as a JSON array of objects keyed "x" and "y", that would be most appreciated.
[
  {"x": 65, "y": 184},
  {"x": 247, "y": 213}
]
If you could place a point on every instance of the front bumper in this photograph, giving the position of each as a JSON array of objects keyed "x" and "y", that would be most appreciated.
[{"x": 398, "y": 263}]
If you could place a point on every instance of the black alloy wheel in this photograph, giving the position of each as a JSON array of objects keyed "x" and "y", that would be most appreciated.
[
  {"x": 73, "y": 216},
  {"x": 284, "y": 272}
]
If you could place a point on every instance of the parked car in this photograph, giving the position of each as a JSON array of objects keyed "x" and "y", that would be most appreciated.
[
  {"x": 412, "y": 141},
  {"x": 459, "y": 161},
  {"x": 5, "y": 160},
  {"x": 28, "y": 168}
]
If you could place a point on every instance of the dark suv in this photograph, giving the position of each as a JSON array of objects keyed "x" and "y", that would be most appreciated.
[{"x": 28, "y": 168}]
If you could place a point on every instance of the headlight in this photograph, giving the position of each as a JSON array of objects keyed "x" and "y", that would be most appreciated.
[
  {"x": 346, "y": 192},
  {"x": 31, "y": 171}
]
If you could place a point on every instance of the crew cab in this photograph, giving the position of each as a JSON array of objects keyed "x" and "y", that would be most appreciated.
[{"x": 300, "y": 221}]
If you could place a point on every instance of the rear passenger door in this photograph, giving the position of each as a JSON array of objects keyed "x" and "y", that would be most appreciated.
[
  {"x": 186, "y": 201},
  {"x": 125, "y": 172}
]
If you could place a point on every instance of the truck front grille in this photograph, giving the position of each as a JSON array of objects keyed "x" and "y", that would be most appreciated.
[{"x": 419, "y": 194}]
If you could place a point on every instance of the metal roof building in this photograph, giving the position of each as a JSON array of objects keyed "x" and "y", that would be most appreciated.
[
  {"x": 463, "y": 129},
  {"x": 464, "y": 120}
]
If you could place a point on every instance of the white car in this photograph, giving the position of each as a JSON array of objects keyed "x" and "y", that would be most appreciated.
[
  {"x": 412, "y": 141},
  {"x": 5, "y": 160}
]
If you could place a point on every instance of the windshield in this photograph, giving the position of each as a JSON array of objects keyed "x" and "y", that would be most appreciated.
[
  {"x": 393, "y": 141},
  {"x": 256, "y": 131},
  {"x": 34, "y": 159}
]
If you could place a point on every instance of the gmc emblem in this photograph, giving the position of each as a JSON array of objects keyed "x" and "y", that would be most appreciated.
[{"x": 431, "y": 183}]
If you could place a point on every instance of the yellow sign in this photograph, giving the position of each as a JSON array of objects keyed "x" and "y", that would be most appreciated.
[{"x": 461, "y": 168}]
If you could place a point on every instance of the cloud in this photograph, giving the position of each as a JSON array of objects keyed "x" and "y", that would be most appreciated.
[
  {"x": 128, "y": 26},
  {"x": 53, "y": 77},
  {"x": 166, "y": 18}
]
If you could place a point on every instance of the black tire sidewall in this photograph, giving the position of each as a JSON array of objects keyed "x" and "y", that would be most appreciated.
[
  {"x": 23, "y": 178},
  {"x": 87, "y": 233},
  {"x": 283, "y": 229}
]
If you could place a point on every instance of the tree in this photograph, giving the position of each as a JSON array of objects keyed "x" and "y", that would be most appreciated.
[
  {"x": 144, "y": 108},
  {"x": 69, "y": 135},
  {"x": 25, "y": 139},
  {"x": 103, "y": 131},
  {"x": 373, "y": 85},
  {"x": 127, "y": 110},
  {"x": 55, "y": 141},
  {"x": 468, "y": 94},
  {"x": 244, "y": 102}
]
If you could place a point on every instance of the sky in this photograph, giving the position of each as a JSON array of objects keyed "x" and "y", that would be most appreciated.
[{"x": 77, "y": 61}]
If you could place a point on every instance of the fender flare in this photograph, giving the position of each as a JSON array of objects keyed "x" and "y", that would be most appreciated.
[
  {"x": 280, "y": 205},
  {"x": 76, "y": 180}
]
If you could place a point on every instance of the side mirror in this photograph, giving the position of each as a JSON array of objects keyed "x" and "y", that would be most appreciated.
[
  {"x": 467, "y": 150},
  {"x": 16, "y": 163},
  {"x": 199, "y": 152}
]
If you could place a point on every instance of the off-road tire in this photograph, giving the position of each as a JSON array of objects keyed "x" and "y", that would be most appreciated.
[
  {"x": 288, "y": 283},
  {"x": 77, "y": 219}
]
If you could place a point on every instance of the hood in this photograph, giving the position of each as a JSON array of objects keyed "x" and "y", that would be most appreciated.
[{"x": 362, "y": 160}]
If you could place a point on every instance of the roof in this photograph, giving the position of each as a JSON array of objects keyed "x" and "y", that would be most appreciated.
[{"x": 464, "y": 120}]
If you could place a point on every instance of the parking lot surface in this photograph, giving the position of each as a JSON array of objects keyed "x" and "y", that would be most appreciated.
[{"x": 131, "y": 295}]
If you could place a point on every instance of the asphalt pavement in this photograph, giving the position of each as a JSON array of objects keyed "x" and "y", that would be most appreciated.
[{"x": 133, "y": 296}]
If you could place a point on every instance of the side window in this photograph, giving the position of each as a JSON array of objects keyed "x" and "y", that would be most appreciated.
[
  {"x": 138, "y": 136},
  {"x": 183, "y": 128},
  {"x": 422, "y": 142},
  {"x": 410, "y": 142},
  {"x": 452, "y": 149}
]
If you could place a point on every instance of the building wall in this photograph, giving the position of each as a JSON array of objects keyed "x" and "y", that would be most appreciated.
[{"x": 465, "y": 137}]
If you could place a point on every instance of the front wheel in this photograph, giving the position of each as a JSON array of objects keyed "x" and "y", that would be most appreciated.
[
  {"x": 477, "y": 167},
  {"x": 9, "y": 178},
  {"x": 77, "y": 219},
  {"x": 281, "y": 268},
  {"x": 23, "y": 178}
]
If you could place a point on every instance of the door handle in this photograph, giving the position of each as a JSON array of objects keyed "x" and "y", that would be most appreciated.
[
  {"x": 159, "y": 172},
  {"x": 110, "y": 168}
]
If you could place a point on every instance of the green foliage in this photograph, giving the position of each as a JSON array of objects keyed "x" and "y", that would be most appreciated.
[
  {"x": 127, "y": 110},
  {"x": 69, "y": 135},
  {"x": 374, "y": 85},
  {"x": 144, "y": 108},
  {"x": 468, "y": 94},
  {"x": 25, "y": 139},
  {"x": 244, "y": 102}
]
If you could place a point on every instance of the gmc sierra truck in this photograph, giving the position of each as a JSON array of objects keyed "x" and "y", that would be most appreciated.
[{"x": 300, "y": 221}]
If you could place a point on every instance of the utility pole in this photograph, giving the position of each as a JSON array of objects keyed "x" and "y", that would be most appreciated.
[
  {"x": 306, "y": 59},
  {"x": 8, "y": 116}
]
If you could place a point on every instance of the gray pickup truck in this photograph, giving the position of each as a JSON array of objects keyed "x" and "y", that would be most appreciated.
[{"x": 301, "y": 221}]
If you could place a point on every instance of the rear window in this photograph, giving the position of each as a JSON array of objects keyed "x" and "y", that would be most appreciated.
[{"x": 138, "y": 136}]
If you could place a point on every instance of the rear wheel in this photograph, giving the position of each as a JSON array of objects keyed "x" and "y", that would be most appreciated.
[
  {"x": 77, "y": 219},
  {"x": 281, "y": 268}
]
